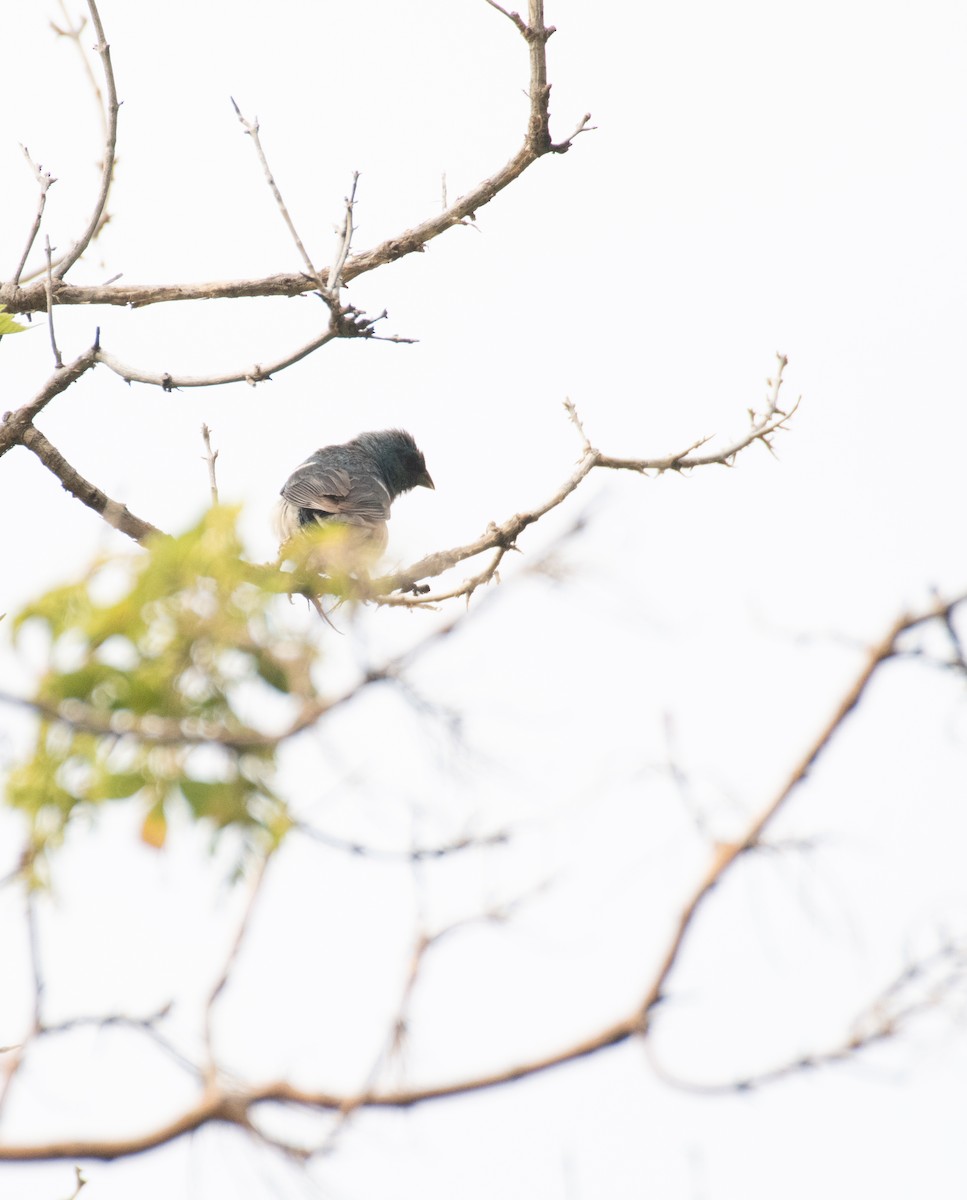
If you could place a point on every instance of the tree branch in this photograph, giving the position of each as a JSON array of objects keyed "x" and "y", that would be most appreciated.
[
  {"x": 726, "y": 854},
  {"x": 896, "y": 1005},
  {"x": 155, "y": 730},
  {"x": 49, "y": 289},
  {"x": 255, "y": 891},
  {"x": 15, "y": 424},
  {"x": 19, "y": 1052},
  {"x": 414, "y": 855},
  {"x": 503, "y": 537},
  {"x": 110, "y": 148},
  {"x": 116, "y": 515},
  {"x": 257, "y": 373},
  {"x": 236, "y": 1107},
  {"x": 252, "y": 129},
  {"x": 44, "y": 179},
  {"x": 536, "y": 144}
]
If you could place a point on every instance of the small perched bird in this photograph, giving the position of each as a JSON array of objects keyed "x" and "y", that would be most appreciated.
[{"x": 339, "y": 500}]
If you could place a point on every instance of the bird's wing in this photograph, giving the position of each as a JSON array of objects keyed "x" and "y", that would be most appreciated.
[{"x": 352, "y": 492}]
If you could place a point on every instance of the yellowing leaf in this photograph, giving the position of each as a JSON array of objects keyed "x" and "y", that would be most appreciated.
[{"x": 154, "y": 828}]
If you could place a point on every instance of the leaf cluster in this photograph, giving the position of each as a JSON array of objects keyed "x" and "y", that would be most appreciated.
[{"x": 160, "y": 675}]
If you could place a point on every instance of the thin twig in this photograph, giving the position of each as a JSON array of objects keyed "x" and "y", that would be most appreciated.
[
  {"x": 414, "y": 854},
  {"x": 424, "y": 942},
  {"x": 883, "y": 1018},
  {"x": 344, "y": 242},
  {"x": 466, "y": 589},
  {"x": 252, "y": 129},
  {"x": 231, "y": 958},
  {"x": 681, "y": 781},
  {"x": 18, "y": 1052},
  {"x": 110, "y": 149},
  {"x": 514, "y": 17},
  {"x": 956, "y": 645},
  {"x": 147, "y": 1025},
  {"x": 210, "y": 456},
  {"x": 44, "y": 179},
  {"x": 73, "y": 34},
  {"x": 58, "y": 361},
  {"x": 80, "y": 1181}
]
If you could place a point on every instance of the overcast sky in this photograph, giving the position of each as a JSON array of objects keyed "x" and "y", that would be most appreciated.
[{"x": 762, "y": 178}]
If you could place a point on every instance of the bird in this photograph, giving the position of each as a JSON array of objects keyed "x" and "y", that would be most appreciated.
[{"x": 334, "y": 506}]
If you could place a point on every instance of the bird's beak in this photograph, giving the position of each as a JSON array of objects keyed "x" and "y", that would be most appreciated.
[{"x": 426, "y": 481}]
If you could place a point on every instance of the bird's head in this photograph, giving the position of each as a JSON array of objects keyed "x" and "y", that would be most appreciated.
[{"x": 400, "y": 459}]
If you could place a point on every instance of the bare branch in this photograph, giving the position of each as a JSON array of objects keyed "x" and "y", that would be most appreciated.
[
  {"x": 73, "y": 33},
  {"x": 537, "y": 143},
  {"x": 257, "y": 373},
  {"x": 44, "y": 179},
  {"x": 58, "y": 361},
  {"x": 761, "y": 428},
  {"x": 422, "y": 599},
  {"x": 110, "y": 147},
  {"x": 344, "y": 242},
  {"x": 906, "y": 997},
  {"x": 959, "y": 661},
  {"x": 583, "y": 126},
  {"x": 170, "y": 731},
  {"x": 726, "y": 854},
  {"x": 213, "y": 1106},
  {"x": 503, "y": 537},
  {"x": 252, "y": 129},
  {"x": 235, "y": 1107},
  {"x": 515, "y": 17},
  {"x": 116, "y": 515},
  {"x": 424, "y": 942},
  {"x": 32, "y": 298},
  {"x": 18, "y": 1053},
  {"x": 15, "y": 424},
  {"x": 255, "y": 891},
  {"x": 414, "y": 854},
  {"x": 148, "y": 1025}
]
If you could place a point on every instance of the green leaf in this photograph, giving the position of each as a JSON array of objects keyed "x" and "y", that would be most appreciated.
[
  {"x": 187, "y": 634},
  {"x": 8, "y": 324},
  {"x": 223, "y": 803},
  {"x": 120, "y": 785}
]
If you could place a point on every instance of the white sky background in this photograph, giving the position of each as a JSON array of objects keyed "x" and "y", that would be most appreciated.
[{"x": 761, "y": 179}]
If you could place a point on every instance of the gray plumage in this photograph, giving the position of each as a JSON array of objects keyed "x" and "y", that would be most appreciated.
[{"x": 347, "y": 492}]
